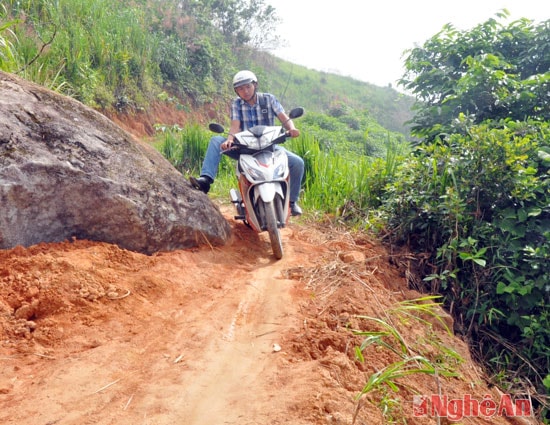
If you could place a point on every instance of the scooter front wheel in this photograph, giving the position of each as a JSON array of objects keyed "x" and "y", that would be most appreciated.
[{"x": 273, "y": 230}]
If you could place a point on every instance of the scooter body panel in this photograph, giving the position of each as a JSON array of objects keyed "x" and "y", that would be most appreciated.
[{"x": 264, "y": 176}]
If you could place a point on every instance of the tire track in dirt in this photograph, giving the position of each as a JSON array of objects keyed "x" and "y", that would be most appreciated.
[
  {"x": 192, "y": 344},
  {"x": 235, "y": 387}
]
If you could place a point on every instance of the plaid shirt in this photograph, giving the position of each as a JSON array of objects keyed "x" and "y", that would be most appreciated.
[{"x": 249, "y": 116}]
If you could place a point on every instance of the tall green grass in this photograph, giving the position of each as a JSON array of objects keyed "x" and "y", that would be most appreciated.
[
  {"x": 7, "y": 51},
  {"x": 95, "y": 51},
  {"x": 184, "y": 148},
  {"x": 344, "y": 185},
  {"x": 341, "y": 186}
]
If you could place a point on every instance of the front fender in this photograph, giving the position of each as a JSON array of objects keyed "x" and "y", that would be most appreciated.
[{"x": 267, "y": 191}]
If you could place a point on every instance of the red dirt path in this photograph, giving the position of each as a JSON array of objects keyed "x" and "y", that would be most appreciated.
[{"x": 93, "y": 334}]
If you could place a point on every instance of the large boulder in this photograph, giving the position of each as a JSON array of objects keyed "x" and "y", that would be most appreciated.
[{"x": 66, "y": 171}]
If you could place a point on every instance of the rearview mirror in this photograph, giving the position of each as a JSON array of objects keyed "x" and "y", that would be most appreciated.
[
  {"x": 296, "y": 112},
  {"x": 216, "y": 128}
]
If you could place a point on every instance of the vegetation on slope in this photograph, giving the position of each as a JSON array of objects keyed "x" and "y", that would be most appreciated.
[
  {"x": 124, "y": 55},
  {"x": 474, "y": 197}
]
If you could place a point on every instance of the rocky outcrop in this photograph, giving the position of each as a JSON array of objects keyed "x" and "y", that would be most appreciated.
[{"x": 66, "y": 171}]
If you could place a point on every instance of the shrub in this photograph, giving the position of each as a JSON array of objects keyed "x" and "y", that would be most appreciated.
[{"x": 478, "y": 206}]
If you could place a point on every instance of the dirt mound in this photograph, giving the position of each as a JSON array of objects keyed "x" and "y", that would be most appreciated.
[
  {"x": 94, "y": 334},
  {"x": 142, "y": 124}
]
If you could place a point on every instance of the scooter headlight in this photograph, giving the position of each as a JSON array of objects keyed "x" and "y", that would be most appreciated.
[
  {"x": 279, "y": 172},
  {"x": 253, "y": 173}
]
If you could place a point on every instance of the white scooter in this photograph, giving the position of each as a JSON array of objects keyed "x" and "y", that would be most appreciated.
[{"x": 262, "y": 201}]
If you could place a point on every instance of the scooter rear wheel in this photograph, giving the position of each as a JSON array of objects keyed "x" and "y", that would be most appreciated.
[{"x": 273, "y": 230}]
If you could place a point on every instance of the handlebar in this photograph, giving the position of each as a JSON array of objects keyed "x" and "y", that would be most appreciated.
[{"x": 238, "y": 148}]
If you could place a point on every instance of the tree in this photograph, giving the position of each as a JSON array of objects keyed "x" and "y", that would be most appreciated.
[
  {"x": 242, "y": 22},
  {"x": 490, "y": 72}
]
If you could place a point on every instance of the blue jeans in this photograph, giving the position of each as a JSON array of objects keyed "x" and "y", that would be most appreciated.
[{"x": 213, "y": 157}]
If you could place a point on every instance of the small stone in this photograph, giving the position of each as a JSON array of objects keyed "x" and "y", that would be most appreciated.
[
  {"x": 352, "y": 257},
  {"x": 26, "y": 311},
  {"x": 5, "y": 387}
]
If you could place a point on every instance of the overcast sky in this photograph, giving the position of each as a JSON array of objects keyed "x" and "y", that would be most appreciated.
[{"x": 365, "y": 39}]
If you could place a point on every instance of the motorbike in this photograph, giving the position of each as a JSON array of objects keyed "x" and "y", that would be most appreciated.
[{"x": 262, "y": 201}]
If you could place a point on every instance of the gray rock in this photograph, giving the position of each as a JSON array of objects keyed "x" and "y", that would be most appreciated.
[{"x": 66, "y": 171}]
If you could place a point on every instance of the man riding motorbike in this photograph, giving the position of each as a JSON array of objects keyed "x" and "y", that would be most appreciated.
[{"x": 249, "y": 109}]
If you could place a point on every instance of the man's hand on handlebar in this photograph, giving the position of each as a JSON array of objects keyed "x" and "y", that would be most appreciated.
[
  {"x": 293, "y": 132},
  {"x": 226, "y": 145}
]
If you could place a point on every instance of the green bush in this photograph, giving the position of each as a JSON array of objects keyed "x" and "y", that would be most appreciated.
[{"x": 478, "y": 205}]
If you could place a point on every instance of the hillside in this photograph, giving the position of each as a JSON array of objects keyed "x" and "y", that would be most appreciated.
[
  {"x": 123, "y": 57},
  {"x": 321, "y": 91},
  {"x": 93, "y": 334}
]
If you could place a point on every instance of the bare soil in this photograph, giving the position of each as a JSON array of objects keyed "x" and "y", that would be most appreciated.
[{"x": 94, "y": 334}]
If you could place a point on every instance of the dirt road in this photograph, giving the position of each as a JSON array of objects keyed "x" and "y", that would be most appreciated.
[{"x": 93, "y": 334}]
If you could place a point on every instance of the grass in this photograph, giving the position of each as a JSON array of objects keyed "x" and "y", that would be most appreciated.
[
  {"x": 410, "y": 361},
  {"x": 332, "y": 183}
]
